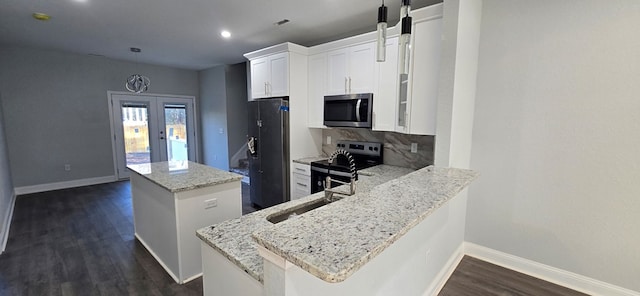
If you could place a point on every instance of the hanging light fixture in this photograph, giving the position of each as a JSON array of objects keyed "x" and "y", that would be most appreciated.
[
  {"x": 405, "y": 37},
  {"x": 137, "y": 83},
  {"x": 382, "y": 33}
]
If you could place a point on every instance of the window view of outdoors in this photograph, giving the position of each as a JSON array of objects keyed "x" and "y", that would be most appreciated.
[
  {"x": 136, "y": 134},
  {"x": 175, "y": 117}
]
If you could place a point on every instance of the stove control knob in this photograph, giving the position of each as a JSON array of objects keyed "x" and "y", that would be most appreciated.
[
  {"x": 376, "y": 148},
  {"x": 370, "y": 148}
]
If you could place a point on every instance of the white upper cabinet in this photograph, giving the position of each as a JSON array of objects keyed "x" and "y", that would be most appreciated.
[
  {"x": 317, "y": 89},
  {"x": 417, "y": 99},
  {"x": 270, "y": 76},
  {"x": 350, "y": 70},
  {"x": 386, "y": 96}
]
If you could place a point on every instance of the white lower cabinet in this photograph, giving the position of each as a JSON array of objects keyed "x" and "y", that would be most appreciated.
[{"x": 301, "y": 180}]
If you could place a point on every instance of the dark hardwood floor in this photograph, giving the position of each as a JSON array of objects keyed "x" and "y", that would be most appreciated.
[
  {"x": 474, "y": 277},
  {"x": 80, "y": 241}
]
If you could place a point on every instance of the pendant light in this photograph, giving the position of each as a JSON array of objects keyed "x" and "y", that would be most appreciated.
[
  {"x": 382, "y": 33},
  {"x": 137, "y": 83},
  {"x": 405, "y": 38}
]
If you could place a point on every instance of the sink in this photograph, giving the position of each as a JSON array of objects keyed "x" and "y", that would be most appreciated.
[{"x": 292, "y": 212}]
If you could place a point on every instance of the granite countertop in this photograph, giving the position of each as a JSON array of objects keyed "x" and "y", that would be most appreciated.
[
  {"x": 309, "y": 160},
  {"x": 232, "y": 238},
  {"x": 336, "y": 240},
  {"x": 177, "y": 176}
]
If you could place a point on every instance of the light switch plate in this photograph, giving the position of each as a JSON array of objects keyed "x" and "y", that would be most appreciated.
[{"x": 414, "y": 147}]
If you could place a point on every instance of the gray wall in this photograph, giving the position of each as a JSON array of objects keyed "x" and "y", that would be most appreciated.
[
  {"x": 213, "y": 117},
  {"x": 6, "y": 185},
  {"x": 397, "y": 147},
  {"x": 56, "y": 110},
  {"x": 556, "y": 136},
  {"x": 237, "y": 120},
  {"x": 223, "y": 107}
]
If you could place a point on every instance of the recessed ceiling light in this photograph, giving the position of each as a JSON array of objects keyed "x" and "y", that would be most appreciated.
[
  {"x": 41, "y": 16},
  {"x": 225, "y": 34}
]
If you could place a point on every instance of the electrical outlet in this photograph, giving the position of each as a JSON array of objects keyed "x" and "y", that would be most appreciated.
[
  {"x": 328, "y": 140},
  {"x": 414, "y": 147},
  {"x": 210, "y": 203},
  {"x": 67, "y": 167}
]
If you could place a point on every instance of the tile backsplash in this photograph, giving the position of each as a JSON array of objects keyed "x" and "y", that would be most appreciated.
[{"x": 397, "y": 147}]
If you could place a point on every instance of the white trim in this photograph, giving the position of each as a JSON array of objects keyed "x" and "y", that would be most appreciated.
[
  {"x": 7, "y": 224},
  {"x": 445, "y": 273},
  {"x": 548, "y": 273},
  {"x": 175, "y": 278},
  {"x": 63, "y": 185},
  {"x": 192, "y": 278}
]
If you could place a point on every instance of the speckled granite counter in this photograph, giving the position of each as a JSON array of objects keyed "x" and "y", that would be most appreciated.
[
  {"x": 177, "y": 176},
  {"x": 336, "y": 240},
  {"x": 233, "y": 239},
  {"x": 309, "y": 160}
]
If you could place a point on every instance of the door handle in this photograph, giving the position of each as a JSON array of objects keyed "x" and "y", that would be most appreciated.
[
  {"x": 349, "y": 84},
  {"x": 358, "y": 106},
  {"x": 345, "y": 85}
]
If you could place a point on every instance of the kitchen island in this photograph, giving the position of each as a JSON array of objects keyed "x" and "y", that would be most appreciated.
[
  {"x": 171, "y": 200},
  {"x": 319, "y": 252}
]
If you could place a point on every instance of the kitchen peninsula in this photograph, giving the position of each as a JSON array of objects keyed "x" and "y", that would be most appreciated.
[
  {"x": 393, "y": 237},
  {"x": 173, "y": 199}
]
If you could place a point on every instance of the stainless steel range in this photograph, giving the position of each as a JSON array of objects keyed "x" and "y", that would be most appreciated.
[{"x": 365, "y": 155}]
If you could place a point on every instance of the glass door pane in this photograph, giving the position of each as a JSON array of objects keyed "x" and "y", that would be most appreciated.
[
  {"x": 135, "y": 127},
  {"x": 175, "y": 118}
]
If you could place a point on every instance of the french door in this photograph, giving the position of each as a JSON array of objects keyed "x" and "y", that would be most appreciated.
[{"x": 151, "y": 129}]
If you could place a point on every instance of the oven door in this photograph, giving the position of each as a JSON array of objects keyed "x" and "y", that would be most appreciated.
[{"x": 348, "y": 110}]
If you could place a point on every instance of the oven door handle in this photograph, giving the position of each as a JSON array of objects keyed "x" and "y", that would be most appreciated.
[{"x": 358, "y": 105}]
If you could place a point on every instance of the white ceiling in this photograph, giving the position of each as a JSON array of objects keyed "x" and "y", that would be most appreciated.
[{"x": 186, "y": 33}]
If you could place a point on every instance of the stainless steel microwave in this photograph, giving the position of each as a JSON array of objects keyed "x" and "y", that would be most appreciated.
[{"x": 352, "y": 110}]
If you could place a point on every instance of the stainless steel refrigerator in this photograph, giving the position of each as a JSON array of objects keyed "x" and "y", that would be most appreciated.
[{"x": 269, "y": 151}]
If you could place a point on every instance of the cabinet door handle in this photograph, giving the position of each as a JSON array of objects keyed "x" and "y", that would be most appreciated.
[
  {"x": 346, "y": 90},
  {"x": 303, "y": 185},
  {"x": 269, "y": 88},
  {"x": 299, "y": 169},
  {"x": 349, "y": 84},
  {"x": 265, "y": 88}
]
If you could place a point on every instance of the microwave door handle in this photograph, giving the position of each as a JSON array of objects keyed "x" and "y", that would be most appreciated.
[{"x": 358, "y": 105}]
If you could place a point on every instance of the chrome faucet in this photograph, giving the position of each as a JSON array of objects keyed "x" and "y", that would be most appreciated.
[{"x": 328, "y": 192}]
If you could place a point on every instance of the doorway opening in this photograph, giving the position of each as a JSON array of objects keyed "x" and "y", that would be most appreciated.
[{"x": 151, "y": 128}]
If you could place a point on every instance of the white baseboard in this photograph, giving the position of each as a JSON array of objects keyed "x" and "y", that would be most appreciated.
[
  {"x": 445, "y": 273},
  {"x": 175, "y": 278},
  {"x": 4, "y": 235},
  {"x": 64, "y": 185},
  {"x": 548, "y": 273}
]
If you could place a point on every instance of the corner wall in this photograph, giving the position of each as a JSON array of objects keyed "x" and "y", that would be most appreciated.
[
  {"x": 556, "y": 136},
  {"x": 223, "y": 113},
  {"x": 7, "y": 196}
]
